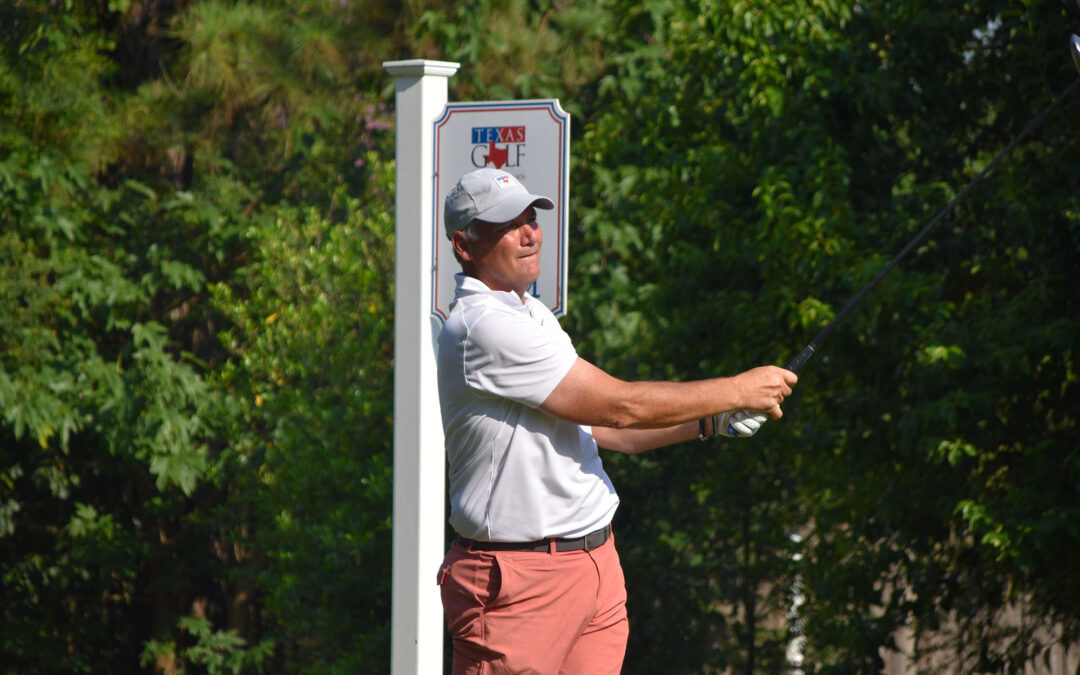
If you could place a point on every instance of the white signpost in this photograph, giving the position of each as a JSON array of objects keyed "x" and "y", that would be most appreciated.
[
  {"x": 419, "y": 520},
  {"x": 436, "y": 144}
]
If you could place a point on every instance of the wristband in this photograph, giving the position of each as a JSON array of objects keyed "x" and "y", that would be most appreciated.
[{"x": 701, "y": 435}]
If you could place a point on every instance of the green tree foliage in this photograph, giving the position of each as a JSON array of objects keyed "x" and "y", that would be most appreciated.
[
  {"x": 688, "y": 231},
  {"x": 749, "y": 167},
  {"x": 519, "y": 49},
  {"x": 311, "y": 401},
  {"x": 139, "y": 203},
  {"x": 103, "y": 437}
]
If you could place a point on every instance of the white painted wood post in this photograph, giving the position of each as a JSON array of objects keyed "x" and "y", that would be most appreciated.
[{"x": 419, "y": 518}]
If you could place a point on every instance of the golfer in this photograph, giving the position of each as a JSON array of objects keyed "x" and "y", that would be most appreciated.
[{"x": 534, "y": 583}]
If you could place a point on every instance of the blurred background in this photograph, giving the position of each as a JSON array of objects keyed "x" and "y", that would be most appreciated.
[{"x": 196, "y": 323}]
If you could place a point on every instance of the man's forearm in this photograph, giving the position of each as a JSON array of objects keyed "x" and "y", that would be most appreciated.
[
  {"x": 633, "y": 441},
  {"x": 659, "y": 405},
  {"x": 588, "y": 395}
]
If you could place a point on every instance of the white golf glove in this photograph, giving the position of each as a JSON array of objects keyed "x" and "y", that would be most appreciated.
[{"x": 737, "y": 424}]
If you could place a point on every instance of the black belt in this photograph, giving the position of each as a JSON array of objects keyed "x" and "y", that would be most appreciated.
[{"x": 587, "y": 543}]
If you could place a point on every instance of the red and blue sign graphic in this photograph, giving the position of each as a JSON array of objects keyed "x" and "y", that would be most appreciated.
[
  {"x": 498, "y": 134},
  {"x": 508, "y": 155}
]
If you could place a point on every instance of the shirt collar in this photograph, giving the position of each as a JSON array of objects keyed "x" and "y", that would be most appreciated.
[{"x": 467, "y": 285}]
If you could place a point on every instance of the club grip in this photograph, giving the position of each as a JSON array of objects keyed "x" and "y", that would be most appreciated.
[{"x": 796, "y": 363}]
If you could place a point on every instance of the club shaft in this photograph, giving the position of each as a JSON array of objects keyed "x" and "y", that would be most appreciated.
[{"x": 795, "y": 364}]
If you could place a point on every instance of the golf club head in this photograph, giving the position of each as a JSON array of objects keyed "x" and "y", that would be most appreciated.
[{"x": 1074, "y": 43}]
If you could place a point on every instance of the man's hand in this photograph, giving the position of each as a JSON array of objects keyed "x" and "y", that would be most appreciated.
[
  {"x": 738, "y": 424},
  {"x": 764, "y": 388}
]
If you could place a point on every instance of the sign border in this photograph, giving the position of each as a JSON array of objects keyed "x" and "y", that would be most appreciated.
[{"x": 562, "y": 118}]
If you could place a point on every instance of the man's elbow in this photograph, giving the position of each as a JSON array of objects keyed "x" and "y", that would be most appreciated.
[{"x": 627, "y": 415}]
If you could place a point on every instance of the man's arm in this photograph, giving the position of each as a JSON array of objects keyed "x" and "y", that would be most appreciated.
[
  {"x": 633, "y": 441},
  {"x": 588, "y": 395}
]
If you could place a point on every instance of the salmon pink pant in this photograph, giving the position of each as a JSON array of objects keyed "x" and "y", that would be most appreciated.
[{"x": 544, "y": 613}]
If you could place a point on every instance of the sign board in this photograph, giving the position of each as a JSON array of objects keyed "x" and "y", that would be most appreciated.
[{"x": 529, "y": 139}]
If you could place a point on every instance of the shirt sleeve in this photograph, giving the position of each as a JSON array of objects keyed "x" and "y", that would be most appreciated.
[{"x": 511, "y": 355}]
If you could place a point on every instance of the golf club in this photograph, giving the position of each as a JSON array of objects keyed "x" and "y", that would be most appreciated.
[{"x": 795, "y": 364}]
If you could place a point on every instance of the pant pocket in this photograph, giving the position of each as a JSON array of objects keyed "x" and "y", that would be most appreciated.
[{"x": 468, "y": 585}]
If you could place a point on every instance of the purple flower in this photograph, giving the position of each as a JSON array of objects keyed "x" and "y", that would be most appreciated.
[{"x": 281, "y": 116}]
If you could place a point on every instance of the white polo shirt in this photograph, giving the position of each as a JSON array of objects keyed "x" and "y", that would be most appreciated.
[{"x": 515, "y": 473}]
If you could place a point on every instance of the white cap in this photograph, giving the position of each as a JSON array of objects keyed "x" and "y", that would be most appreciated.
[{"x": 490, "y": 195}]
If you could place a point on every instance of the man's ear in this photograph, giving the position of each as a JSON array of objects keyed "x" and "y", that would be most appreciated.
[{"x": 461, "y": 244}]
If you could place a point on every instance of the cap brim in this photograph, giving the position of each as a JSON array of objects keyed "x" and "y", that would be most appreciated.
[{"x": 512, "y": 207}]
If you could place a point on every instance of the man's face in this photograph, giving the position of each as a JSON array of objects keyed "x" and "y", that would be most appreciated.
[{"x": 505, "y": 256}]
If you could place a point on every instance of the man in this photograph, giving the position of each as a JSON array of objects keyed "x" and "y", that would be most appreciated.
[{"x": 534, "y": 584}]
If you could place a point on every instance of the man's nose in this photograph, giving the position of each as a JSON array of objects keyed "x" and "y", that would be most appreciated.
[{"x": 530, "y": 230}]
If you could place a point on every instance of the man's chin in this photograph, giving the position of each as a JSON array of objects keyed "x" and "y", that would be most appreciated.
[{"x": 530, "y": 267}]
